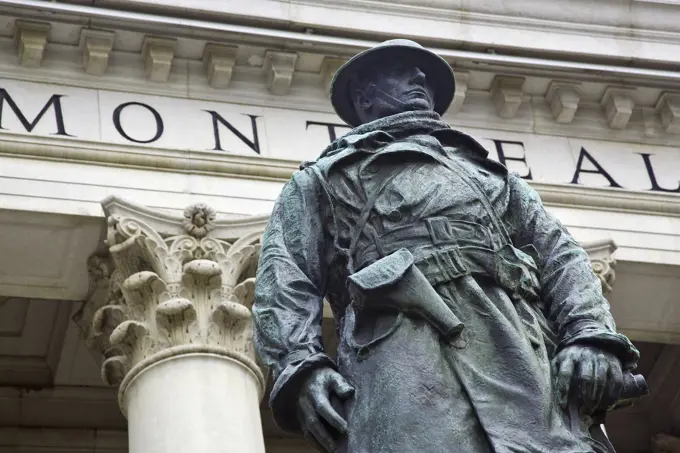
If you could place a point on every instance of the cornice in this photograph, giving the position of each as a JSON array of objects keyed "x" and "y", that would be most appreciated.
[
  {"x": 279, "y": 170},
  {"x": 618, "y": 44},
  {"x": 614, "y": 19},
  {"x": 422, "y": 9}
]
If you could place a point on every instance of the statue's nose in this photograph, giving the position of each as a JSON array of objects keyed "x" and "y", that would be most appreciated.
[{"x": 418, "y": 76}]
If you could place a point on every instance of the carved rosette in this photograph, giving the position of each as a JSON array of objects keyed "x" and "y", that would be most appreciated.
[{"x": 159, "y": 295}]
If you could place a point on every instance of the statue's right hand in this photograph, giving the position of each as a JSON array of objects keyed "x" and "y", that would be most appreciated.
[{"x": 315, "y": 406}]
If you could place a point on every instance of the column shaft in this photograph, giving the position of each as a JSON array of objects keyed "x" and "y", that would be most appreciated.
[{"x": 194, "y": 403}]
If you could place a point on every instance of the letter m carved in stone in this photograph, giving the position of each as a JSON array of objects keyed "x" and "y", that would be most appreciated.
[{"x": 54, "y": 101}]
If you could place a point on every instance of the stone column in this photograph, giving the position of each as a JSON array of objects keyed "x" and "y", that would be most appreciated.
[{"x": 169, "y": 313}]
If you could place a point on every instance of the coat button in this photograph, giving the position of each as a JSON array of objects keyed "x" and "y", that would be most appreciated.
[{"x": 395, "y": 215}]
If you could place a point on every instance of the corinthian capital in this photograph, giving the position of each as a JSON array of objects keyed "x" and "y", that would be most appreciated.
[
  {"x": 167, "y": 285},
  {"x": 602, "y": 260}
]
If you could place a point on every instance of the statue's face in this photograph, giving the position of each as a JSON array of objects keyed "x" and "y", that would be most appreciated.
[{"x": 392, "y": 87}]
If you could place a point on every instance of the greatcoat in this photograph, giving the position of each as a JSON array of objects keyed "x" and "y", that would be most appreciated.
[{"x": 511, "y": 273}]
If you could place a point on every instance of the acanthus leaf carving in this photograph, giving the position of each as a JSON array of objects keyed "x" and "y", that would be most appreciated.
[
  {"x": 170, "y": 293},
  {"x": 114, "y": 370},
  {"x": 245, "y": 292}
]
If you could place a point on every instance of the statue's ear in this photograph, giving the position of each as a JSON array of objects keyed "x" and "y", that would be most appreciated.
[
  {"x": 361, "y": 99},
  {"x": 362, "y": 93}
]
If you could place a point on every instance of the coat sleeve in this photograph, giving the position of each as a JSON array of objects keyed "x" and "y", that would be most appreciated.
[
  {"x": 289, "y": 291},
  {"x": 570, "y": 290}
]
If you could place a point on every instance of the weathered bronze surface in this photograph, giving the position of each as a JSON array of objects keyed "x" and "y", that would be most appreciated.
[{"x": 469, "y": 318}]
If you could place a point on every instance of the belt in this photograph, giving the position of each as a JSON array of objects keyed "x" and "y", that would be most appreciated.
[
  {"x": 442, "y": 258},
  {"x": 434, "y": 231}
]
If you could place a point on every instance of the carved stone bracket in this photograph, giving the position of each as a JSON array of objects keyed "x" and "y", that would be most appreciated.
[
  {"x": 563, "y": 98},
  {"x": 603, "y": 262},
  {"x": 219, "y": 63},
  {"x": 618, "y": 105},
  {"x": 668, "y": 108},
  {"x": 169, "y": 286},
  {"x": 96, "y": 46},
  {"x": 507, "y": 95},
  {"x": 461, "y": 91},
  {"x": 158, "y": 54},
  {"x": 279, "y": 67},
  {"x": 31, "y": 39}
]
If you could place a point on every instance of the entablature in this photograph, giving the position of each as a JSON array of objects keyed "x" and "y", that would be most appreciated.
[{"x": 521, "y": 94}]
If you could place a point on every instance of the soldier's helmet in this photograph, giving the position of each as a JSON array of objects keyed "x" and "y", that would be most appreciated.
[{"x": 437, "y": 71}]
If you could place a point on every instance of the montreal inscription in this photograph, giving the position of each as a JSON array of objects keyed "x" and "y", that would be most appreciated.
[{"x": 54, "y": 108}]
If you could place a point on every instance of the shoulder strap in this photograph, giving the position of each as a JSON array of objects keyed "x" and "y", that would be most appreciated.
[
  {"x": 454, "y": 166},
  {"x": 365, "y": 214}
]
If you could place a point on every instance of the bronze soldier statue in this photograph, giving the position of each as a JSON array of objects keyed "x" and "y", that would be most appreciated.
[{"x": 469, "y": 319}]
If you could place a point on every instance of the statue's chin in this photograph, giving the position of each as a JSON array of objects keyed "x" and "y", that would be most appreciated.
[
  {"x": 417, "y": 104},
  {"x": 417, "y": 107},
  {"x": 411, "y": 106}
]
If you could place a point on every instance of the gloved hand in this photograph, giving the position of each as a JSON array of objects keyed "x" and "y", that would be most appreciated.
[
  {"x": 316, "y": 412},
  {"x": 591, "y": 375}
]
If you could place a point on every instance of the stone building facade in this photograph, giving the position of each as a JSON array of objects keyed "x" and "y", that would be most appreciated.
[{"x": 143, "y": 142}]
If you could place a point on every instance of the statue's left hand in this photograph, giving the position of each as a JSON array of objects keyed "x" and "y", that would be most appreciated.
[{"x": 590, "y": 374}]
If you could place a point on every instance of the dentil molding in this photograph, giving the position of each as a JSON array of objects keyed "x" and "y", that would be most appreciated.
[{"x": 168, "y": 286}]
